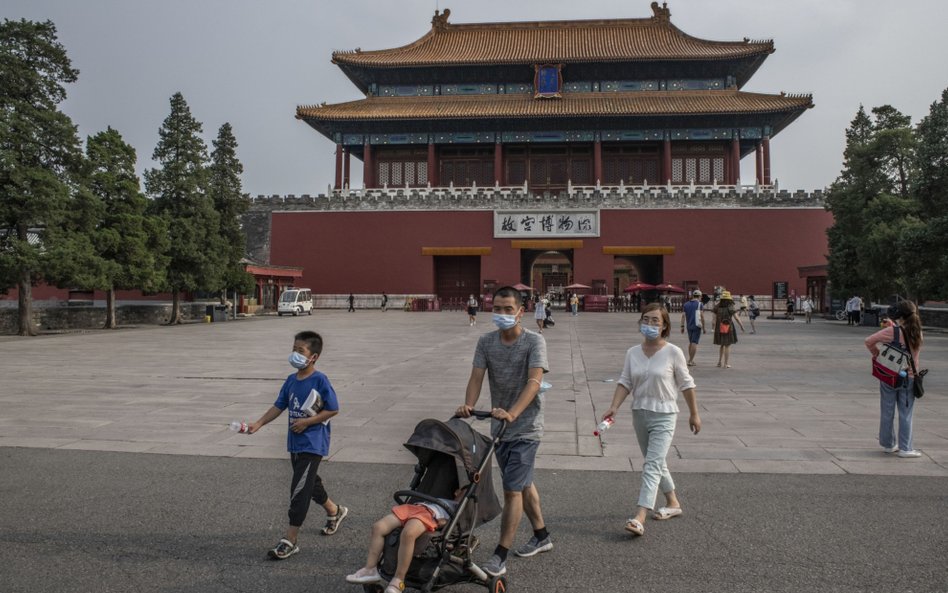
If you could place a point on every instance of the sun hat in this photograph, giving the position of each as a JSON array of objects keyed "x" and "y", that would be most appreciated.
[{"x": 726, "y": 295}]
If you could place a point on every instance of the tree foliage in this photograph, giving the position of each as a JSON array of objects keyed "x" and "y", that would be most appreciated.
[
  {"x": 40, "y": 161},
  {"x": 129, "y": 243},
  {"x": 179, "y": 188},
  {"x": 889, "y": 203},
  {"x": 226, "y": 191}
]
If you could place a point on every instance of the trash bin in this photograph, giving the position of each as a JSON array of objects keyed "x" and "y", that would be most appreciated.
[
  {"x": 216, "y": 312},
  {"x": 870, "y": 317}
]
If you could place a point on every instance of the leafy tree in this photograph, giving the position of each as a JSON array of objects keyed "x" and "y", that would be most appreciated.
[
  {"x": 39, "y": 158},
  {"x": 927, "y": 258},
  {"x": 225, "y": 189},
  {"x": 128, "y": 242},
  {"x": 872, "y": 204},
  {"x": 179, "y": 190}
]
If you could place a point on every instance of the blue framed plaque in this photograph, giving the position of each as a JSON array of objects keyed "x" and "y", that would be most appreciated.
[{"x": 548, "y": 81}]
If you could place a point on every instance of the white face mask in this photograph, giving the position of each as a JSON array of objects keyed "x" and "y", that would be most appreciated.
[
  {"x": 650, "y": 331},
  {"x": 505, "y": 321},
  {"x": 298, "y": 361}
]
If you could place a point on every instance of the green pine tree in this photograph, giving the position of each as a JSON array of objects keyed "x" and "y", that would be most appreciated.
[
  {"x": 129, "y": 242},
  {"x": 226, "y": 191},
  {"x": 179, "y": 191},
  {"x": 927, "y": 260},
  {"x": 40, "y": 158}
]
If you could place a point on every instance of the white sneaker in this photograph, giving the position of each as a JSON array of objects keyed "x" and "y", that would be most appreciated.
[
  {"x": 909, "y": 454},
  {"x": 892, "y": 449}
]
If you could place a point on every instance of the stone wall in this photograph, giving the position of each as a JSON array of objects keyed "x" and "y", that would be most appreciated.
[{"x": 88, "y": 317}]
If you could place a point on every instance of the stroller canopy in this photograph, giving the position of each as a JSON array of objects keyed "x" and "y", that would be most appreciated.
[{"x": 452, "y": 451}]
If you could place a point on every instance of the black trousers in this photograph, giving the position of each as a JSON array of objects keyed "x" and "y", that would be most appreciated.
[{"x": 306, "y": 486}]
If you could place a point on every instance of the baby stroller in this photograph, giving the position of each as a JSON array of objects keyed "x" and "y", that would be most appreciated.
[{"x": 451, "y": 456}]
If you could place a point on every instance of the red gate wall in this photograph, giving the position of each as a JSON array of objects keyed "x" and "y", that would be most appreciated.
[{"x": 363, "y": 252}]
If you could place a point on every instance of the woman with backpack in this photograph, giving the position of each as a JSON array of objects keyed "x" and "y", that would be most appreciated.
[{"x": 906, "y": 328}]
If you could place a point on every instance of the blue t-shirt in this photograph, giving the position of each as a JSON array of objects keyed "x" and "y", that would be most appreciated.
[
  {"x": 293, "y": 394},
  {"x": 691, "y": 309}
]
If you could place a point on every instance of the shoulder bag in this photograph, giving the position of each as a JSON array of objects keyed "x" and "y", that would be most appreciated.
[
  {"x": 918, "y": 388},
  {"x": 892, "y": 359}
]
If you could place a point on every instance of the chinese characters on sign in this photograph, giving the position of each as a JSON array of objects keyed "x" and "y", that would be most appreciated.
[{"x": 540, "y": 223}]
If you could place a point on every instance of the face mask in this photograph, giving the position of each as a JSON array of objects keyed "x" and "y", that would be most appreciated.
[
  {"x": 505, "y": 321},
  {"x": 650, "y": 331},
  {"x": 298, "y": 361}
]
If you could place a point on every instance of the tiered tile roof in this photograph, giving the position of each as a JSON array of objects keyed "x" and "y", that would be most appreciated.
[
  {"x": 641, "y": 103},
  {"x": 614, "y": 40}
]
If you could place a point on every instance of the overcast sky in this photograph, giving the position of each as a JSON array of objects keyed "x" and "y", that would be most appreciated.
[{"x": 250, "y": 63}]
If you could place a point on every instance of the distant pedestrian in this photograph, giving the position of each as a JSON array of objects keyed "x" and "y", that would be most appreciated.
[
  {"x": 790, "y": 308},
  {"x": 692, "y": 319},
  {"x": 307, "y": 439},
  {"x": 807, "y": 306},
  {"x": 472, "y": 310},
  {"x": 753, "y": 312},
  {"x": 351, "y": 303},
  {"x": 574, "y": 304},
  {"x": 854, "y": 309},
  {"x": 744, "y": 305},
  {"x": 909, "y": 328},
  {"x": 654, "y": 373},
  {"x": 725, "y": 335},
  {"x": 539, "y": 312},
  {"x": 384, "y": 301}
]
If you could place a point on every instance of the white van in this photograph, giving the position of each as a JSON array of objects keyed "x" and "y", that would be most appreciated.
[{"x": 295, "y": 301}]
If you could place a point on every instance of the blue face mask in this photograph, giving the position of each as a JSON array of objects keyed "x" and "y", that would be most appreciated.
[
  {"x": 298, "y": 361},
  {"x": 650, "y": 331},
  {"x": 505, "y": 321}
]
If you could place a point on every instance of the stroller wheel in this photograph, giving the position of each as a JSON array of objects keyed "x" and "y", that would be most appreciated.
[{"x": 497, "y": 584}]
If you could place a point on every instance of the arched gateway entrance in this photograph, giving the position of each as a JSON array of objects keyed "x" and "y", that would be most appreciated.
[{"x": 546, "y": 271}]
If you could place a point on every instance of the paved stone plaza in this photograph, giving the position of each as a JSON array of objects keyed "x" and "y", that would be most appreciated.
[
  {"x": 799, "y": 398},
  {"x": 119, "y": 473}
]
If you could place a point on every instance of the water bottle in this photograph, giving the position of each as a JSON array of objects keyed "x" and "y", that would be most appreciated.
[
  {"x": 241, "y": 427},
  {"x": 903, "y": 374},
  {"x": 604, "y": 426}
]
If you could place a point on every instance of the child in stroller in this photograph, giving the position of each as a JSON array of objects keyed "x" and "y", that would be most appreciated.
[{"x": 427, "y": 541}]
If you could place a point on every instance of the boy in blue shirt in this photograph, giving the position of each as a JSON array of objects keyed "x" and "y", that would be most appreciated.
[{"x": 312, "y": 402}]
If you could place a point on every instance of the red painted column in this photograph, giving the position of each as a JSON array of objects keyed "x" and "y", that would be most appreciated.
[
  {"x": 498, "y": 163},
  {"x": 432, "y": 165},
  {"x": 338, "y": 184},
  {"x": 368, "y": 177},
  {"x": 345, "y": 168},
  {"x": 766, "y": 146},
  {"x": 666, "y": 160},
  {"x": 597, "y": 161},
  {"x": 759, "y": 162},
  {"x": 735, "y": 167}
]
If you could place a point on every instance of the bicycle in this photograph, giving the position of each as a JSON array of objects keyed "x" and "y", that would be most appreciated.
[{"x": 841, "y": 315}]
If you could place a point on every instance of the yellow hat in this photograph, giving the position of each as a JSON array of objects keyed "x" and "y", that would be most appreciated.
[{"x": 726, "y": 295}]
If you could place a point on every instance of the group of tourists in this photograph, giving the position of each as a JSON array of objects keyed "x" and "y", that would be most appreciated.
[{"x": 514, "y": 360}]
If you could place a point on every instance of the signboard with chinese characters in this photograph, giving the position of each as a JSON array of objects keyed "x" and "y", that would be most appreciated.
[{"x": 517, "y": 224}]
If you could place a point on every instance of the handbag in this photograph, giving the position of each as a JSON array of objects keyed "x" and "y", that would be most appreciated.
[
  {"x": 918, "y": 388},
  {"x": 724, "y": 327}
]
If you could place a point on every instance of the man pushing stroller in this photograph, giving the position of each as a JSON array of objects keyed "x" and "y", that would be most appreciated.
[{"x": 514, "y": 360}]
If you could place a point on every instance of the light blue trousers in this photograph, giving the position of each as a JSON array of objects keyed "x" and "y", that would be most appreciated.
[
  {"x": 891, "y": 398},
  {"x": 654, "y": 431}
]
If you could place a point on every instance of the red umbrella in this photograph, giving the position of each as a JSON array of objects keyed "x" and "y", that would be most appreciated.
[
  {"x": 576, "y": 286},
  {"x": 521, "y": 286},
  {"x": 637, "y": 287},
  {"x": 668, "y": 287}
]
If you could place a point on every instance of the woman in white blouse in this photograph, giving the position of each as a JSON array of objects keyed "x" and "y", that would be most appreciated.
[{"x": 654, "y": 372}]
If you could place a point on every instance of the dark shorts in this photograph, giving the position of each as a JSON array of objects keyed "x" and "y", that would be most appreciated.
[
  {"x": 694, "y": 335},
  {"x": 472, "y": 311},
  {"x": 516, "y": 459}
]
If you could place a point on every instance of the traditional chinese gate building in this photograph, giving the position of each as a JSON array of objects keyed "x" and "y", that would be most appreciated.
[{"x": 594, "y": 151}]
